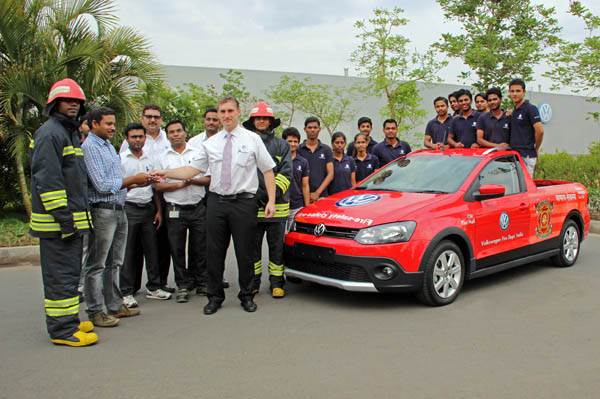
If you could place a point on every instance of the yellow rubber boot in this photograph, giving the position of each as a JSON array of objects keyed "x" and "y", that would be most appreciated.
[
  {"x": 278, "y": 293},
  {"x": 80, "y": 338},
  {"x": 86, "y": 326}
]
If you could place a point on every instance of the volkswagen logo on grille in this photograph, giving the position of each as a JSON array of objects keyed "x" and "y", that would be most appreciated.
[
  {"x": 320, "y": 229},
  {"x": 504, "y": 221},
  {"x": 357, "y": 200}
]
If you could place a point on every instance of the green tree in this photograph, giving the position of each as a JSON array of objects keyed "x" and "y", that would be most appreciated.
[
  {"x": 331, "y": 104},
  {"x": 577, "y": 65},
  {"x": 499, "y": 40},
  {"x": 42, "y": 41},
  {"x": 384, "y": 57},
  {"x": 189, "y": 101}
]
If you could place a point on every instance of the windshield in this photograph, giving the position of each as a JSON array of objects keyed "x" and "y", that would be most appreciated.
[{"x": 429, "y": 174}]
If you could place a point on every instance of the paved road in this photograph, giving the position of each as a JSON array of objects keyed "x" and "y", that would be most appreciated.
[{"x": 526, "y": 333}]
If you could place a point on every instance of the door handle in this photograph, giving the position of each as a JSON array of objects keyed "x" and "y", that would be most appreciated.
[{"x": 523, "y": 206}]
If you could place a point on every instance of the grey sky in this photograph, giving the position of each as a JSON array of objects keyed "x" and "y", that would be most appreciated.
[{"x": 311, "y": 36}]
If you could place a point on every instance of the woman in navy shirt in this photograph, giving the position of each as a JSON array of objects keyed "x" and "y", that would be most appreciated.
[
  {"x": 365, "y": 163},
  {"x": 344, "y": 168}
]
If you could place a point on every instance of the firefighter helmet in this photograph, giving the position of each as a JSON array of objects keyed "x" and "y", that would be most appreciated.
[
  {"x": 262, "y": 109},
  {"x": 66, "y": 88}
]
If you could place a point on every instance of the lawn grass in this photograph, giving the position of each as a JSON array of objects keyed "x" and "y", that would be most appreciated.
[{"x": 14, "y": 229}]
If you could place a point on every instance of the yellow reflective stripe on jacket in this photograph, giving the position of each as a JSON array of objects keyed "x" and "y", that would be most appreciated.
[
  {"x": 46, "y": 222},
  {"x": 51, "y": 195},
  {"x": 36, "y": 226},
  {"x": 61, "y": 303},
  {"x": 68, "y": 150},
  {"x": 282, "y": 182},
  {"x": 281, "y": 210},
  {"x": 31, "y": 143},
  {"x": 59, "y": 203},
  {"x": 58, "y": 312},
  {"x": 78, "y": 152}
]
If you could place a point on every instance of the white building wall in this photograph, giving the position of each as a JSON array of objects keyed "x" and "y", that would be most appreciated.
[{"x": 569, "y": 129}]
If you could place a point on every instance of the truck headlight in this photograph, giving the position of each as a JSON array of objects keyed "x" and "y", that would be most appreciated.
[{"x": 386, "y": 233}]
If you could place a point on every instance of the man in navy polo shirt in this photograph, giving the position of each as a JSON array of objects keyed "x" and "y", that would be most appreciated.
[
  {"x": 453, "y": 98},
  {"x": 436, "y": 131},
  {"x": 391, "y": 148},
  {"x": 365, "y": 126},
  {"x": 526, "y": 130},
  {"x": 493, "y": 127},
  {"x": 299, "y": 188},
  {"x": 319, "y": 157},
  {"x": 463, "y": 131}
]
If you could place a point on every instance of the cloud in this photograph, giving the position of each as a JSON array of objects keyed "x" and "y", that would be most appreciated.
[{"x": 312, "y": 36}]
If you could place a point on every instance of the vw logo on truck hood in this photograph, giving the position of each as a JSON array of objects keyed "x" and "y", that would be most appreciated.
[{"x": 357, "y": 200}]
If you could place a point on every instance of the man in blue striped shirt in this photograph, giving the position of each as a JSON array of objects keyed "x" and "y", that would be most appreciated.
[{"x": 107, "y": 190}]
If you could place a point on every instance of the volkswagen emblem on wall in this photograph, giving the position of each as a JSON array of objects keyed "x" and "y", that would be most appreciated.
[
  {"x": 320, "y": 229},
  {"x": 356, "y": 200},
  {"x": 504, "y": 220},
  {"x": 545, "y": 112}
]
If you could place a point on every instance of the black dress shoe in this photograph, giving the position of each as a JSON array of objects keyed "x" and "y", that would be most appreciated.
[
  {"x": 212, "y": 306},
  {"x": 248, "y": 305}
]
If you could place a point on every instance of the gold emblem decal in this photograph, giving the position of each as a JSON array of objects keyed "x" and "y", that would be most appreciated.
[{"x": 544, "y": 224}]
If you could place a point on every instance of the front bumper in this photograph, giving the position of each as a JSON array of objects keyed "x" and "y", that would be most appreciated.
[{"x": 351, "y": 273}]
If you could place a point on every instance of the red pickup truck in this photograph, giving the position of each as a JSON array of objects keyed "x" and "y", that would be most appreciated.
[{"x": 430, "y": 220}]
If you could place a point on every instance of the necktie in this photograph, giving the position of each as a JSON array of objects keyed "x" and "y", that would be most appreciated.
[{"x": 226, "y": 166}]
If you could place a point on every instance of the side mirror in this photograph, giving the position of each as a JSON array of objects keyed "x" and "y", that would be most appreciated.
[{"x": 488, "y": 191}]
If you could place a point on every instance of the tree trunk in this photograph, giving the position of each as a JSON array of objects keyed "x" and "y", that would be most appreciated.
[{"x": 22, "y": 180}]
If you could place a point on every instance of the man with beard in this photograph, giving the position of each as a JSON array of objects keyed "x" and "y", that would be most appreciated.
[
  {"x": 263, "y": 122},
  {"x": 463, "y": 131},
  {"x": 436, "y": 131}
]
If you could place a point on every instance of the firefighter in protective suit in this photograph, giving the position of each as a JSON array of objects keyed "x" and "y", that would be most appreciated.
[
  {"x": 263, "y": 122},
  {"x": 60, "y": 213}
]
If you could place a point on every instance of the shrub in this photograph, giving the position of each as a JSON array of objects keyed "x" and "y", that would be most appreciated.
[{"x": 584, "y": 169}]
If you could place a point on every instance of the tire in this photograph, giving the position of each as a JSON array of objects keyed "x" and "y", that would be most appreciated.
[
  {"x": 570, "y": 241},
  {"x": 442, "y": 283}
]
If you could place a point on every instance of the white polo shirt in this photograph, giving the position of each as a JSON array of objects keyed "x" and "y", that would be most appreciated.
[
  {"x": 155, "y": 148},
  {"x": 191, "y": 194},
  {"x": 131, "y": 165},
  {"x": 197, "y": 140},
  {"x": 248, "y": 153}
]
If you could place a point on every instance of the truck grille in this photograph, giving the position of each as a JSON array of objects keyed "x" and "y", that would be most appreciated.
[
  {"x": 330, "y": 231},
  {"x": 337, "y": 271}
]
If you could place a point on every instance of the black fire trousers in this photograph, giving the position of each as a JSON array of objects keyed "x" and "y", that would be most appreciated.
[{"x": 61, "y": 267}]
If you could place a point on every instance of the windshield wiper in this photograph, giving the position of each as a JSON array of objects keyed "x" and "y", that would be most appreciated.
[{"x": 430, "y": 191}]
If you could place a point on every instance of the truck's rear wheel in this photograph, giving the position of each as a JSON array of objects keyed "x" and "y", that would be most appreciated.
[
  {"x": 569, "y": 245},
  {"x": 444, "y": 275}
]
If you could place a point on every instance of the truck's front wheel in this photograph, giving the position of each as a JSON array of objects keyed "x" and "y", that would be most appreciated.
[{"x": 444, "y": 275}]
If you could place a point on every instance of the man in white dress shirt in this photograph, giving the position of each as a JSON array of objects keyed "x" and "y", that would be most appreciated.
[
  {"x": 232, "y": 155},
  {"x": 142, "y": 206},
  {"x": 185, "y": 213}
]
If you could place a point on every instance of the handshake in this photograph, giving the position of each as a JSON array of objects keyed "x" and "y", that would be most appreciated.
[{"x": 141, "y": 180}]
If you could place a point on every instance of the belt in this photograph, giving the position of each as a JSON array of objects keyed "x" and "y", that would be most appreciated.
[
  {"x": 233, "y": 197},
  {"x": 139, "y": 205},
  {"x": 107, "y": 205},
  {"x": 188, "y": 206}
]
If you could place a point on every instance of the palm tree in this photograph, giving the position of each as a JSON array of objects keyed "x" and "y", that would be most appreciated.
[{"x": 42, "y": 41}]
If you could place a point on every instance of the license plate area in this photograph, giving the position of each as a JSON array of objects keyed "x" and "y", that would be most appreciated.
[{"x": 314, "y": 253}]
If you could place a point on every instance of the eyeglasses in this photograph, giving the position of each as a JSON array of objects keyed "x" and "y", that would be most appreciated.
[{"x": 152, "y": 116}]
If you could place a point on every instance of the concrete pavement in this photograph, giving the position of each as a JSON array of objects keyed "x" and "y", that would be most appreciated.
[{"x": 531, "y": 332}]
